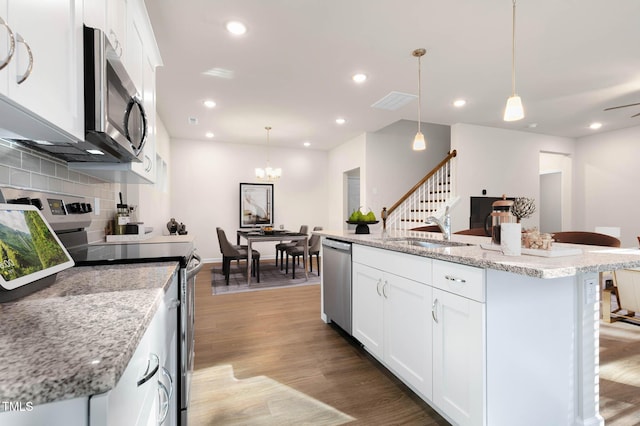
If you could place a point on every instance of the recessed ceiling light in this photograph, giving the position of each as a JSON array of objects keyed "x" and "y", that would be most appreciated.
[
  {"x": 359, "y": 78},
  {"x": 307, "y": 144},
  {"x": 595, "y": 126},
  {"x": 209, "y": 103},
  {"x": 236, "y": 27},
  {"x": 340, "y": 120},
  {"x": 459, "y": 103},
  {"x": 209, "y": 135},
  {"x": 95, "y": 151}
]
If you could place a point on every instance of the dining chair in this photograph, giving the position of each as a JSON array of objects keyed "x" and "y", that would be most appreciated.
[
  {"x": 583, "y": 237},
  {"x": 231, "y": 252},
  {"x": 297, "y": 251},
  {"x": 282, "y": 247},
  {"x": 473, "y": 231},
  {"x": 626, "y": 288}
]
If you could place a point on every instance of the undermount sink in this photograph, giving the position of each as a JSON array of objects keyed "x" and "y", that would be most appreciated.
[{"x": 431, "y": 244}]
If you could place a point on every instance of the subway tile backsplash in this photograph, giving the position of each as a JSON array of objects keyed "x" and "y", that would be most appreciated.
[{"x": 23, "y": 168}]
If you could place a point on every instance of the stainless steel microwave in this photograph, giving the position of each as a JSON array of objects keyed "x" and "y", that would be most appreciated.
[{"x": 115, "y": 119}]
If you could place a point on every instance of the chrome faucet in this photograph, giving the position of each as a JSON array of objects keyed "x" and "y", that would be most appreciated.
[{"x": 444, "y": 224}]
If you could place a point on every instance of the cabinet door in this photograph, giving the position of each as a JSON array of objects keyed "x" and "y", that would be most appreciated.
[
  {"x": 115, "y": 24},
  {"x": 367, "y": 308},
  {"x": 407, "y": 332},
  {"x": 49, "y": 58},
  {"x": 5, "y": 40},
  {"x": 148, "y": 166},
  {"x": 459, "y": 357}
]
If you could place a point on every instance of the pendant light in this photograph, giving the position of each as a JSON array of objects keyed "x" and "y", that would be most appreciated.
[
  {"x": 419, "y": 143},
  {"x": 514, "y": 110},
  {"x": 268, "y": 174}
]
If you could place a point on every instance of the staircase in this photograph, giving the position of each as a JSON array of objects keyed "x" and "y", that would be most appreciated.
[{"x": 429, "y": 197}]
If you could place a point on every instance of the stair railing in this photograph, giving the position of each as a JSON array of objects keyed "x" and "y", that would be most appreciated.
[{"x": 426, "y": 198}]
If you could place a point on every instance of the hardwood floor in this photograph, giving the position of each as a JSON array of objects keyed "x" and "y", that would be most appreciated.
[{"x": 278, "y": 334}]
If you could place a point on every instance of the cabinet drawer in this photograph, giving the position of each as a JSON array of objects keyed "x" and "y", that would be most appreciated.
[
  {"x": 416, "y": 268},
  {"x": 462, "y": 280}
]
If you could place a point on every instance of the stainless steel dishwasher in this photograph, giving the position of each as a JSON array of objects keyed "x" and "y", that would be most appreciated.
[{"x": 336, "y": 272}]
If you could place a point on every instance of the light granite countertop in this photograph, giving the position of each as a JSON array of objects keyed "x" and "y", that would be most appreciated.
[
  {"x": 591, "y": 258},
  {"x": 76, "y": 337}
]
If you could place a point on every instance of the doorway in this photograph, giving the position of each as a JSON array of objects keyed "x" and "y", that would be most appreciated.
[
  {"x": 551, "y": 202},
  {"x": 555, "y": 192},
  {"x": 352, "y": 186}
]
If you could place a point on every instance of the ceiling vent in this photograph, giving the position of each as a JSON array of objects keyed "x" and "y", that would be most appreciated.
[{"x": 394, "y": 101}]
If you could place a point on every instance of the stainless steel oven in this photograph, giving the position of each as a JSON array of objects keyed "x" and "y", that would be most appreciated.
[
  {"x": 69, "y": 216},
  {"x": 187, "y": 333}
]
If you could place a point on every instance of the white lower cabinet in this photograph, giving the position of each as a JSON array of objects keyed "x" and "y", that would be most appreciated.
[
  {"x": 458, "y": 357},
  {"x": 391, "y": 315},
  {"x": 425, "y": 321},
  {"x": 459, "y": 350}
]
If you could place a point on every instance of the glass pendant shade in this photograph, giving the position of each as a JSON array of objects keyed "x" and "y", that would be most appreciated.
[
  {"x": 514, "y": 110},
  {"x": 419, "y": 143}
]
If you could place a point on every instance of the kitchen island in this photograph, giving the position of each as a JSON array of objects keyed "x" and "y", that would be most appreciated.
[
  {"x": 485, "y": 339},
  {"x": 76, "y": 338}
]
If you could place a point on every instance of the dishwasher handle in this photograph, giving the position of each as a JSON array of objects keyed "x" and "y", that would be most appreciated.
[{"x": 338, "y": 245}]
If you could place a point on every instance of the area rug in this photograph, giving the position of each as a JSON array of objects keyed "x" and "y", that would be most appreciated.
[
  {"x": 270, "y": 277},
  {"x": 218, "y": 398}
]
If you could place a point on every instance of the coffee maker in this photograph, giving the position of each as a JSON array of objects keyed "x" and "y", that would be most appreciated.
[{"x": 500, "y": 213}]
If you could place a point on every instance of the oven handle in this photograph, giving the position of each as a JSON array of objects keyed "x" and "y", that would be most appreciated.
[{"x": 193, "y": 271}]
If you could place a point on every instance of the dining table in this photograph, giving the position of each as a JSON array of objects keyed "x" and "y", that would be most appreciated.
[{"x": 259, "y": 235}]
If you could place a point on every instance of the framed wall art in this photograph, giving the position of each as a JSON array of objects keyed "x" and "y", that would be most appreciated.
[{"x": 256, "y": 205}]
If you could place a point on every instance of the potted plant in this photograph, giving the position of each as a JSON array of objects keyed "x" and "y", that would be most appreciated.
[{"x": 523, "y": 207}]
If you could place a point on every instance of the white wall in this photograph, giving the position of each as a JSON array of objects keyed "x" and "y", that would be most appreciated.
[
  {"x": 205, "y": 182},
  {"x": 606, "y": 183},
  {"x": 500, "y": 161},
  {"x": 393, "y": 167},
  {"x": 348, "y": 156}
]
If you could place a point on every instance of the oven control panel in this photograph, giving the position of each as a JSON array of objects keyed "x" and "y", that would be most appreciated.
[{"x": 63, "y": 212}]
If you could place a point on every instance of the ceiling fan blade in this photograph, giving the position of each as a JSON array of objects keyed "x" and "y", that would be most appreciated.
[{"x": 621, "y": 106}]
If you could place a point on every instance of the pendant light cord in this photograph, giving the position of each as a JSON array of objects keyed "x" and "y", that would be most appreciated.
[
  {"x": 419, "y": 92},
  {"x": 513, "y": 52},
  {"x": 268, "y": 129}
]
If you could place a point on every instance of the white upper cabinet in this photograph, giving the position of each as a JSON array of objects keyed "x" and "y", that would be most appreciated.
[
  {"x": 111, "y": 17},
  {"x": 6, "y": 50},
  {"x": 148, "y": 166},
  {"x": 45, "y": 75},
  {"x": 134, "y": 55}
]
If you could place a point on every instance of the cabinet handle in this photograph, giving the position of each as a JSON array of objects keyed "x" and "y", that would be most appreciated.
[
  {"x": 118, "y": 47},
  {"x": 458, "y": 280},
  {"x": 384, "y": 289},
  {"x": 164, "y": 407},
  {"x": 378, "y": 286},
  {"x": 148, "y": 163},
  {"x": 27, "y": 73},
  {"x": 150, "y": 371},
  {"x": 12, "y": 44},
  {"x": 166, "y": 374},
  {"x": 434, "y": 308}
]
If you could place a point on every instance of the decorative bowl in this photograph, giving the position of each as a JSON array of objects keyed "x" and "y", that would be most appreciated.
[{"x": 363, "y": 226}]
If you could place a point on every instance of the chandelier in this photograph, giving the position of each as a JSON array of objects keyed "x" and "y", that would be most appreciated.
[{"x": 268, "y": 174}]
